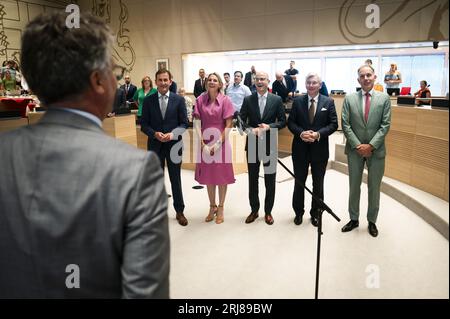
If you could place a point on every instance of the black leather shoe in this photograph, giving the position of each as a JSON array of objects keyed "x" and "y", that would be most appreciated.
[
  {"x": 350, "y": 226},
  {"x": 373, "y": 229},
  {"x": 298, "y": 219},
  {"x": 314, "y": 221}
]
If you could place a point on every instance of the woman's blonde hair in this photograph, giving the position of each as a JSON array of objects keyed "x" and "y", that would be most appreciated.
[
  {"x": 218, "y": 78},
  {"x": 395, "y": 66}
]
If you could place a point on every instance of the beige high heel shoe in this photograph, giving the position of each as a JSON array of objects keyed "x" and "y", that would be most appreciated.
[
  {"x": 212, "y": 212},
  {"x": 219, "y": 215}
]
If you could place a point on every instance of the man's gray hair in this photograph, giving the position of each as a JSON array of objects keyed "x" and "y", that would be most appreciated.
[
  {"x": 366, "y": 66},
  {"x": 57, "y": 61},
  {"x": 313, "y": 75}
]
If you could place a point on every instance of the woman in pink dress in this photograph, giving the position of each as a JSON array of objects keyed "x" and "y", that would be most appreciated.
[{"x": 214, "y": 166}]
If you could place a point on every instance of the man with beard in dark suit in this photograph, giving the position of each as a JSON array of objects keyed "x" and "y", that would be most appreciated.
[
  {"x": 129, "y": 89},
  {"x": 200, "y": 83}
]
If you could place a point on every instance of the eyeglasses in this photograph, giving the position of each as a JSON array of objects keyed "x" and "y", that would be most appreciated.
[
  {"x": 260, "y": 79},
  {"x": 118, "y": 71}
]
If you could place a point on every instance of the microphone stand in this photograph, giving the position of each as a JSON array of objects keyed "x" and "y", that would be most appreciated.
[{"x": 242, "y": 127}]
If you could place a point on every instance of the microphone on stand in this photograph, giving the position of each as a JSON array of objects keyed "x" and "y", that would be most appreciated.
[{"x": 239, "y": 123}]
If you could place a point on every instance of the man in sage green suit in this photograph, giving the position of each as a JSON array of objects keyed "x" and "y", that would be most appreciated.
[{"x": 366, "y": 118}]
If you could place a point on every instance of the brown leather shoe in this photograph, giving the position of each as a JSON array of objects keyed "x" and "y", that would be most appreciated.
[
  {"x": 181, "y": 219},
  {"x": 269, "y": 219},
  {"x": 251, "y": 218}
]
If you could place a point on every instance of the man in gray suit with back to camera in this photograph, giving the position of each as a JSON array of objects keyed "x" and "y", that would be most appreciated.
[{"x": 82, "y": 215}]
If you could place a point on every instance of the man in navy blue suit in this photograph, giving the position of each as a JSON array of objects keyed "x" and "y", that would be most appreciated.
[
  {"x": 164, "y": 120},
  {"x": 312, "y": 119},
  {"x": 128, "y": 88}
]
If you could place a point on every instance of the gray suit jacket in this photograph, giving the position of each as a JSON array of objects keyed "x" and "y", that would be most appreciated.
[
  {"x": 357, "y": 131},
  {"x": 71, "y": 195}
]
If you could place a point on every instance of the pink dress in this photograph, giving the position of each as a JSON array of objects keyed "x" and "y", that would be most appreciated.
[{"x": 216, "y": 169}]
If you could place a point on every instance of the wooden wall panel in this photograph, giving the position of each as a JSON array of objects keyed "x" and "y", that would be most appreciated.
[
  {"x": 417, "y": 149},
  {"x": 403, "y": 119},
  {"x": 398, "y": 169},
  {"x": 122, "y": 127},
  {"x": 400, "y": 145},
  {"x": 431, "y": 152},
  {"x": 432, "y": 123},
  {"x": 429, "y": 180}
]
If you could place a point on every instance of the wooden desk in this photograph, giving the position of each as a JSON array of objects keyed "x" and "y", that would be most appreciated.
[
  {"x": 285, "y": 138},
  {"x": 11, "y": 124},
  {"x": 34, "y": 117},
  {"x": 122, "y": 127},
  {"x": 16, "y": 103},
  {"x": 237, "y": 148}
]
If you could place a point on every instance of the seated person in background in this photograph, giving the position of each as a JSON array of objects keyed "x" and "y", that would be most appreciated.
[
  {"x": 282, "y": 86},
  {"x": 8, "y": 66},
  {"x": 119, "y": 101},
  {"x": 8, "y": 82},
  {"x": 188, "y": 102},
  {"x": 323, "y": 89},
  {"x": 173, "y": 87},
  {"x": 18, "y": 76},
  {"x": 424, "y": 92}
]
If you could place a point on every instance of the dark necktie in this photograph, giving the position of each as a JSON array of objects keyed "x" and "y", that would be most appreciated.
[{"x": 312, "y": 111}]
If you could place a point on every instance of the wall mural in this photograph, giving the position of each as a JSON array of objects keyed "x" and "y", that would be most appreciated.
[
  {"x": 403, "y": 12},
  {"x": 123, "y": 51},
  {"x": 14, "y": 15},
  {"x": 3, "y": 38}
]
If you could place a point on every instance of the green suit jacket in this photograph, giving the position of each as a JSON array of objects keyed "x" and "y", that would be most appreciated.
[{"x": 357, "y": 131}]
